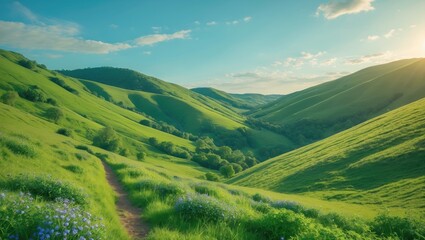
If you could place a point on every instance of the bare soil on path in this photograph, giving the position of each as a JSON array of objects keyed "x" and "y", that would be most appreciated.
[{"x": 129, "y": 214}]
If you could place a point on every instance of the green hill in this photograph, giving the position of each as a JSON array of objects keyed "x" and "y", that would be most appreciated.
[
  {"x": 238, "y": 101},
  {"x": 323, "y": 110},
  {"x": 380, "y": 161}
]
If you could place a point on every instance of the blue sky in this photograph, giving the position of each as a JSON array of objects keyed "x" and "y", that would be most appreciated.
[{"x": 238, "y": 46}]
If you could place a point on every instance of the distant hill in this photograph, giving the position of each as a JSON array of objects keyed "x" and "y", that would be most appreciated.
[
  {"x": 323, "y": 110},
  {"x": 240, "y": 101},
  {"x": 379, "y": 161}
]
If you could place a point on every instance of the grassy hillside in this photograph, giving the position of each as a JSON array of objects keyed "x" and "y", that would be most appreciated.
[
  {"x": 322, "y": 110},
  {"x": 380, "y": 161},
  {"x": 175, "y": 105},
  {"x": 237, "y": 101}
]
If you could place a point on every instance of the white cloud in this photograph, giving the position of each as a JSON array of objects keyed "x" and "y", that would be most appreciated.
[
  {"x": 390, "y": 33},
  {"x": 329, "y": 62},
  {"x": 52, "y": 37},
  {"x": 307, "y": 55},
  {"x": 157, "y": 38},
  {"x": 65, "y": 36},
  {"x": 336, "y": 8},
  {"x": 197, "y": 22},
  {"x": 147, "y": 52},
  {"x": 372, "y": 37},
  {"x": 413, "y": 26},
  {"x": 212, "y": 23},
  {"x": 247, "y": 19}
]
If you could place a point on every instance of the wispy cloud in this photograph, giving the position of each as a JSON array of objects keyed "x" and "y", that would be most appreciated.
[
  {"x": 371, "y": 58},
  {"x": 212, "y": 23},
  {"x": 336, "y": 8},
  {"x": 390, "y": 33},
  {"x": 373, "y": 37},
  {"x": 65, "y": 36},
  {"x": 247, "y": 19},
  {"x": 267, "y": 81},
  {"x": 157, "y": 38}
]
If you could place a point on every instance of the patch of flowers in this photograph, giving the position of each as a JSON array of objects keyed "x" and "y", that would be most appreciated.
[
  {"x": 204, "y": 207},
  {"x": 23, "y": 217}
]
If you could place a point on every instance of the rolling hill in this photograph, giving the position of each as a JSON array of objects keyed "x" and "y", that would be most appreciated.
[
  {"x": 238, "y": 101},
  {"x": 323, "y": 110},
  {"x": 380, "y": 161}
]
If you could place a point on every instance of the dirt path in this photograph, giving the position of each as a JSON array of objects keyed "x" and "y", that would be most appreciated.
[{"x": 130, "y": 215}]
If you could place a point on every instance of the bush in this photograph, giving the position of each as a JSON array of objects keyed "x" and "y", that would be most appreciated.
[
  {"x": 45, "y": 187},
  {"x": 85, "y": 148},
  {"x": 27, "y": 63},
  {"x": 404, "y": 228},
  {"x": 74, "y": 169},
  {"x": 205, "y": 208},
  {"x": 55, "y": 114},
  {"x": 210, "y": 176},
  {"x": 289, "y": 205},
  {"x": 279, "y": 224},
  {"x": 23, "y": 217},
  {"x": 9, "y": 98},
  {"x": 52, "y": 101},
  {"x": 227, "y": 171},
  {"x": 62, "y": 83},
  {"x": 107, "y": 139},
  {"x": 33, "y": 94},
  {"x": 65, "y": 131},
  {"x": 204, "y": 189},
  {"x": 260, "y": 198},
  {"x": 141, "y": 156},
  {"x": 237, "y": 167},
  {"x": 163, "y": 189}
]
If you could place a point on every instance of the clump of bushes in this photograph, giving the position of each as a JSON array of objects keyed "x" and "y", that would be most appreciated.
[
  {"x": 85, "y": 148},
  {"x": 107, "y": 139},
  {"x": 23, "y": 217},
  {"x": 9, "y": 98},
  {"x": 169, "y": 148},
  {"x": 45, "y": 187},
  {"x": 141, "y": 156},
  {"x": 393, "y": 226},
  {"x": 164, "y": 127},
  {"x": 227, "y": 171},
  {"x": 27, "y": 63},
  {"x": 206, "y": 208},
  {"x": 62, "y": 83},
  {"x": 65, "y": 131},
  {"x": 162, "y": 189},
  {"x": 33, "y": 94}
]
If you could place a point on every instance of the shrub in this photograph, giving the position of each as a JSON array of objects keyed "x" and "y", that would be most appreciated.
[
  {"x": 279, "y": 224},
  {"x": 33, "y": 94},
  {"x": 55, "y": 114},
  {"x": 65, "y": 131},
  {"x": 74, "y": 169},
  {"x": 205, "y": 208},
  {"x": 404, "y": 228},
  {"x": 23, "y": 217},
  {"x": 260, "y": 198},
  {"x": 163, "y": 189},
  {"x": 289, "y": 205},
  {"x": 237, "y": 167},
  {"x": 333, "y": 219},
  {"x": 27, "y": 63},
  {"x": 227, "y": 171},
  {"x": 107, "y": 139},
  {"x": 9, "y": 98},
  {"x": 62, "y": 83},
  {"x": 45, "y": 187},
  {"x": 261, "y": 207},
  {"x": 210, "y": 176},
  {"x": 204, "y": 189},
  {"x": 85, "y": 148},
  {"x": 52, "y": 101},
  {"x": 141, "y": 156}
]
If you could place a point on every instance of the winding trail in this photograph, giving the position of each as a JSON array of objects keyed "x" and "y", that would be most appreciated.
[{"x": 130, "y": 215}]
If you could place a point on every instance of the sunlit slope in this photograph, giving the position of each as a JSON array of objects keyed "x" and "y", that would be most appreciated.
[
  {"x": 132, "y": 80},
  {"x": 379, "y": 161},
  {"x": 342, "y": 103},
  {"x": 85, "y": 113}
]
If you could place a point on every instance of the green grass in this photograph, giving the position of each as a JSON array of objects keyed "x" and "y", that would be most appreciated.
[{"x": 377, "y": 162}]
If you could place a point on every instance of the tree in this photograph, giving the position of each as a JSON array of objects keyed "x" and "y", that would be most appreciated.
[
  {"x": 9, "y": 98},
  {"x": 204, "y": 144},
  {"x": 33, "y": 94},
  {"x": 227, "y": 171},
  {"x": 213, "y": 160},
  {"x": 107, "y": 139},
  {"x": 153, "y": 141},
  {"x": 55, "y": 114},
  {"x": 237, "y": 156},
  {"x": 146, "y": 122},
  {"x": 224, "y": 152}
]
